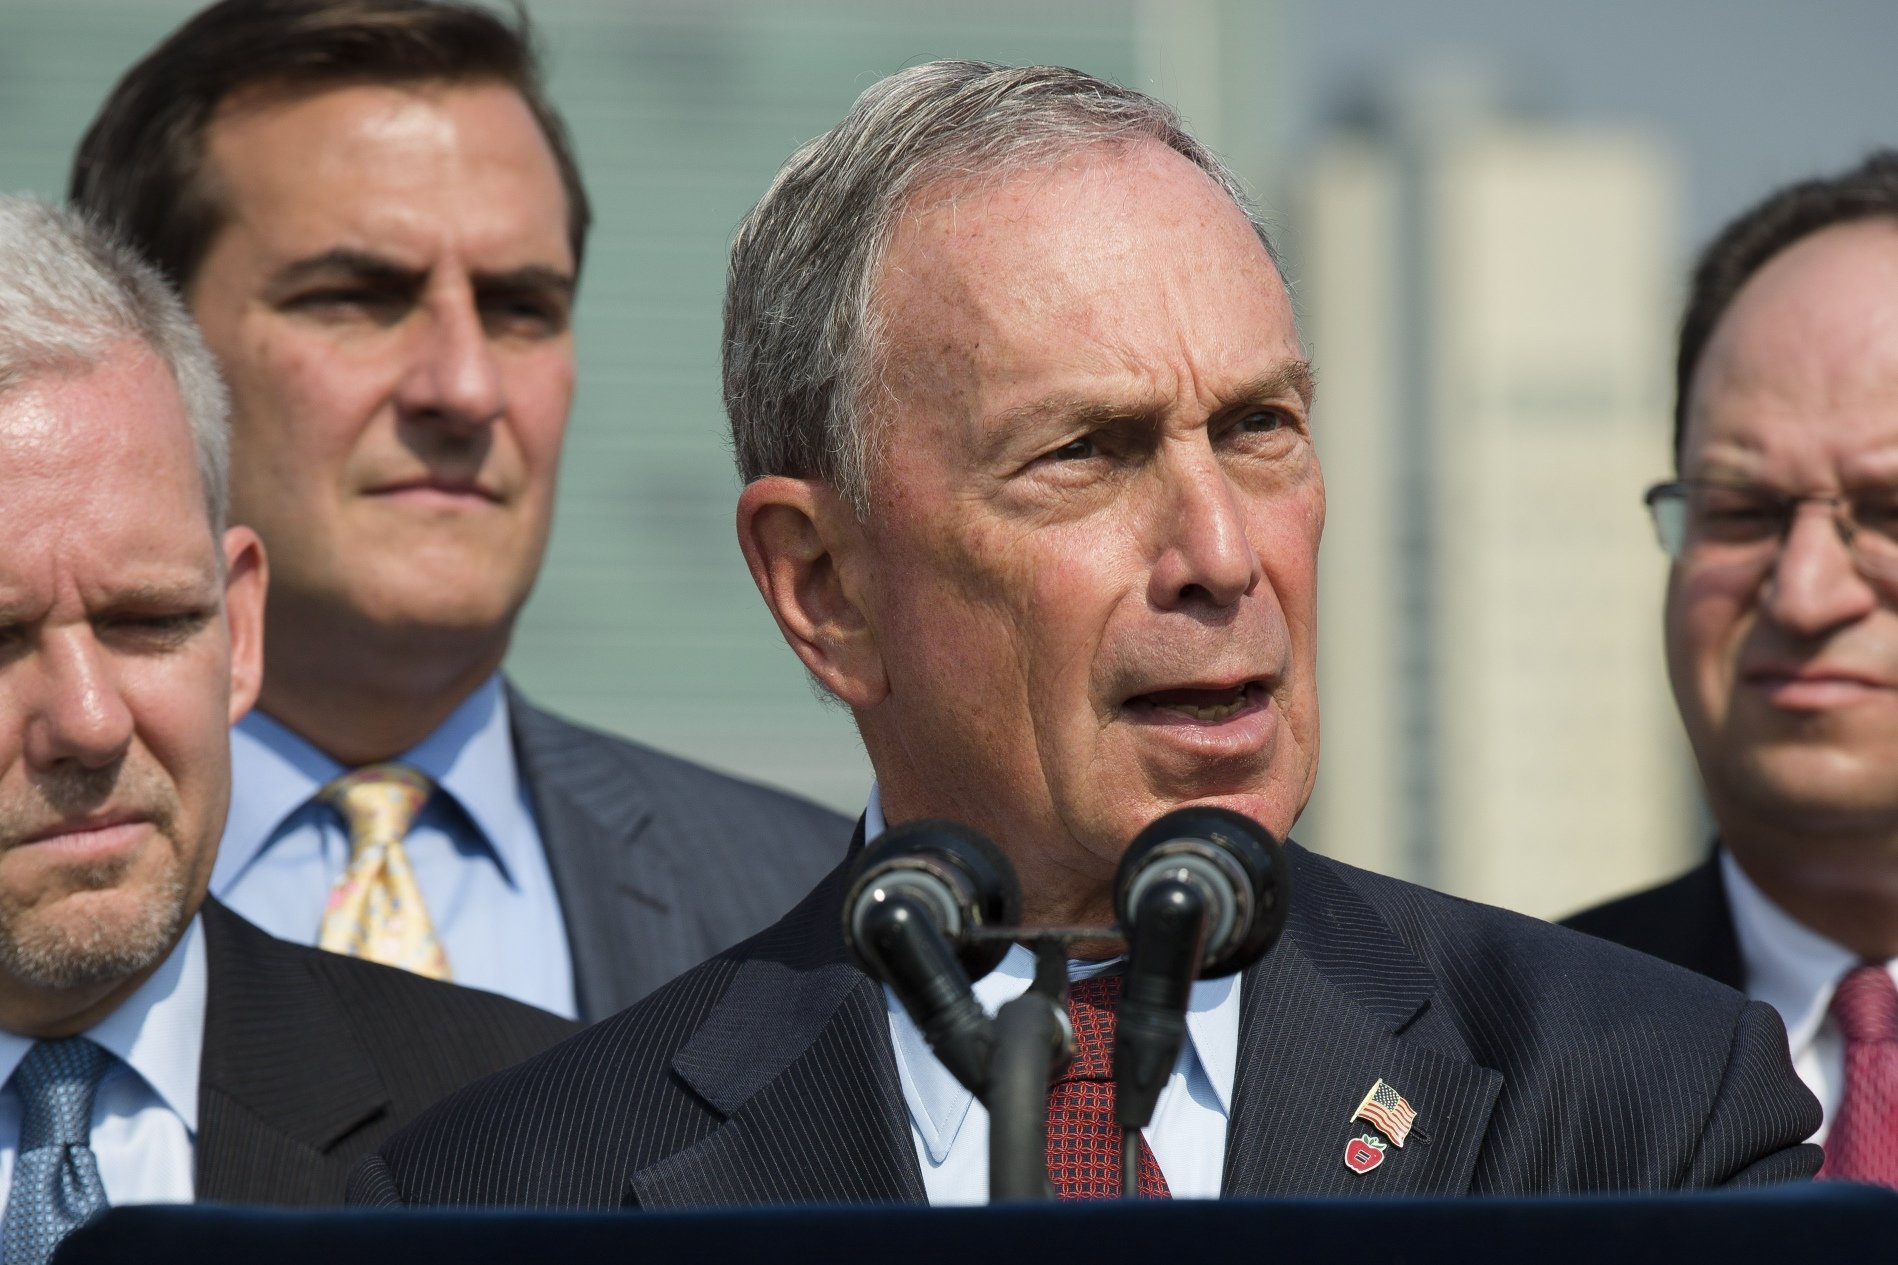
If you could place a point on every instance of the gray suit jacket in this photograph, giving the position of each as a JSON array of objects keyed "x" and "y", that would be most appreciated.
[{"x": 659, "y": 863}]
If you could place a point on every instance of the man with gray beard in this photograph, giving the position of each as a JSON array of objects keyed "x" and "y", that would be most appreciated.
[{"x": 154, "y": 1047}]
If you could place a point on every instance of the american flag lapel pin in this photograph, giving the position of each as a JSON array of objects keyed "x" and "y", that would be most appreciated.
[{"x": 1385, "y": 1110}]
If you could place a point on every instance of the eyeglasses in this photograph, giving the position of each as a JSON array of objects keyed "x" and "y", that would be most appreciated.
[{"x": 1743, "y": 524}]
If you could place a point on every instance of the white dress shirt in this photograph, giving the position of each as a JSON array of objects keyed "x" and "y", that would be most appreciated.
[
  {"x": 145, "y": 1115},
  {"x": 951, "y": 1129},
  {"x": 475, "y": 848},
  {"x": 1793, "y": 969}
]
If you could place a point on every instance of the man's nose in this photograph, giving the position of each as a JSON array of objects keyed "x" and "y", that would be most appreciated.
[
  {"x": 453, "y": 377},
  {"x": 1814, "y": 585},
  {"x": 77, "y": 712},
  {"x": 1206, "y": 555}
]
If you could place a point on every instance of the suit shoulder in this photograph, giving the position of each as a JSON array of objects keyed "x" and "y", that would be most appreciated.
[
  {"x": 1687, "y": 921},
  {"x": 399, "y": 1000},
  {"x": 1477, "y": 948},
  {"x": 673, "y": 780},
  {"x": 415, "y": 1025},
  {"x": 1614, "y": 919},
  {"x": 566, "y": 1128}
]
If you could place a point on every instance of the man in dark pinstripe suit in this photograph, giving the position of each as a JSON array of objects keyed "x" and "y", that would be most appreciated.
[{"x": 1026, "y": 428}]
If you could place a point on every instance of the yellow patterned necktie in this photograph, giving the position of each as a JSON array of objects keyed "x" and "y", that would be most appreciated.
[{"x": 375, "y": 911}]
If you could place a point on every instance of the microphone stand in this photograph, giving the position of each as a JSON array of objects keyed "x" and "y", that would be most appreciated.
[
  {"x": 1033, "y": 1042},
  {"x": 1163, "y": 960}
]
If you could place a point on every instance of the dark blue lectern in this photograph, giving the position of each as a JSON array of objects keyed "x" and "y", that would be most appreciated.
[{"x": 1807, "y": 1223}]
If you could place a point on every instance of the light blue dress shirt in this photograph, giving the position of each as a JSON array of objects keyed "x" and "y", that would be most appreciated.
[
  {"x": 475, "y": 847},
  {"x": 951, "y": 1129},
  {"x": 145, "y": 1115}
]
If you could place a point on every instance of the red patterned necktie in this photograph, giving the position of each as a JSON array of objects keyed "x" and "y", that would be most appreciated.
[
  {"x": 1862, "y": 1145},
  {"x": 1083, "y": 1138}
]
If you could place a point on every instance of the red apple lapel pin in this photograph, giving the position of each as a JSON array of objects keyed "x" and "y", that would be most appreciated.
[{"x": 1363, "y": 1154}]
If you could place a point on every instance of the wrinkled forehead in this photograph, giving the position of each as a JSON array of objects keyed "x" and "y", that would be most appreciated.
[
  {"x": 99, "y": 447},
  {"x": 1118, "y": 257}
]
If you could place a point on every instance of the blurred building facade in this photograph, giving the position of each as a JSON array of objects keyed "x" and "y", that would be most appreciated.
[{"x": 1489, "y": 303}]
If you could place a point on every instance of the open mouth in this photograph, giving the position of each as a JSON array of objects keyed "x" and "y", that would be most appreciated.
[{"x": 1199, "y": 705}]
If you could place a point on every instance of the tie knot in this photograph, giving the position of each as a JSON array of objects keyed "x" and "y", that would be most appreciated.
[
  {"x": 1865, "y": 1005},
  {"x": 1091, "y": 1003},
  {"x": 378, "y": 802},
  {"x": 56, "y": 1082}
]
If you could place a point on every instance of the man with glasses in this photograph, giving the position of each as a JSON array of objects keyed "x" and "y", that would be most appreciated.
[{"x": 1782, "y": 640}]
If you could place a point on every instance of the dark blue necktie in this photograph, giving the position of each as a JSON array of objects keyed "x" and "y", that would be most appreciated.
[{"x": 56, "y": 1185}]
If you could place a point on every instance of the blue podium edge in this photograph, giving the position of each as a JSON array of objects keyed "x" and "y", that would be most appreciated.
[{"x": 1777, "y": 1224}]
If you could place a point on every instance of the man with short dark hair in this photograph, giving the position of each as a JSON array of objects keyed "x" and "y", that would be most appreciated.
[
  {"x": 1782, "y": 639},
  {"x": 155, "y": 1047},
  {"x": 1027, "y": 433},
  {"x": 375, "y": 215}
]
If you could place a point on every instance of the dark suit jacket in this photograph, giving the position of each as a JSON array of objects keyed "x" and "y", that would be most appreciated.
[
  {"x": 311, "y": 1060},
  {"x": 1687, "y": 922},
  {"x": 1537, "y": 1060},
  {"x": 659, "y": 863}
]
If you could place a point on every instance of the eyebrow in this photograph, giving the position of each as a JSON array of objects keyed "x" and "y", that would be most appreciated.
[
  {"x": 368, "y": 266},
  {"x": 199, "y": 592},
  {"x": 1294, "y": 377}
]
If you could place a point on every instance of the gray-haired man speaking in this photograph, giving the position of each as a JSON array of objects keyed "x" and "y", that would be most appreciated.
[
  {"x": 1027, "y": 434},
  {"x": 153, "y": 1046}
]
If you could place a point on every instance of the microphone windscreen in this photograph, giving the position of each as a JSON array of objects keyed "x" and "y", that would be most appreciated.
[
  {"x": 963, "y": 880},
  {"x": 1233, "y": 860}
]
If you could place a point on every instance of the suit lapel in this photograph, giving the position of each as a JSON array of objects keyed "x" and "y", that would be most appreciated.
[
  {"x": 283, "y": 1078},
  {"x": 592, "y": 821},
  {"x": 1340, "y": 1004},
  {"x": 796, "y": 1057}
]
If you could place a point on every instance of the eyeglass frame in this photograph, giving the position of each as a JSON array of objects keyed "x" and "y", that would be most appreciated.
[{"x": 1844, "y": 519}]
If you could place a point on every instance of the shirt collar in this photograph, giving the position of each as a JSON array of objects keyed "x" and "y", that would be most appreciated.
[
  {"x": 939, "y": 1103},
  {"x": 1788, "y": 965},
  {"x": 470, "y": 755},
  {"x": 158, "y": 1031}
]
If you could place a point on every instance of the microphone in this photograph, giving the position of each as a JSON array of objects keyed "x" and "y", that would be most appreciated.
[
  {"x": 1202, "y": 892},
  {"x": 913, "y": 900}
]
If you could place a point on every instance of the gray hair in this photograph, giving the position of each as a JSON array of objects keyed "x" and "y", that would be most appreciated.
[
  {"x": 801, "y": 332},
  {"x": 71, "y": 293}
]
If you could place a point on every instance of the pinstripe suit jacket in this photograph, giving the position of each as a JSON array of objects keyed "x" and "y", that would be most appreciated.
[
  {"x": 1537, "y": 1060},
  {"x": 632, "y": 837},
  {"x": 311, "y": 1059}
]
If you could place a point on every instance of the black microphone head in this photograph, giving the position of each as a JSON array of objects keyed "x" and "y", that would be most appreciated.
[
  {"x": 953, "y": 871},
  {"x": 1233, "y": 860}
]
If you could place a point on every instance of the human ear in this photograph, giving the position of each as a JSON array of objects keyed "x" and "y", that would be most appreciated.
[
  {"x": 805, "y": 549},
  {"x": 246, "y": 577}
]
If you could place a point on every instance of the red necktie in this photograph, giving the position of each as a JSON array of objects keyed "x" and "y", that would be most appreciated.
[
  {"x": 1862, "y": 1145},
  {"x": 1083, "y": 1138}
]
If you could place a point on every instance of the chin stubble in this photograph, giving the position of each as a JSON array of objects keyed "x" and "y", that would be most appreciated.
[{"x": 63, "y": 949}]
